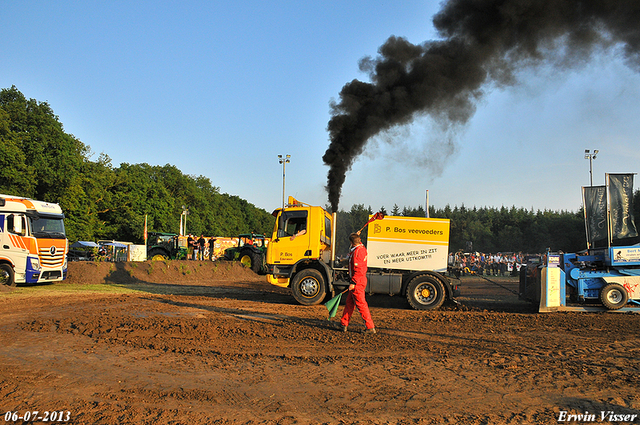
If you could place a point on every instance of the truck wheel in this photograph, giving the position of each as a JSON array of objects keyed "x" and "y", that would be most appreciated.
[
  {"x": 6, "y": 275},
  {"x": 425, "y": 293},
  {"x": 614, "y": 296},
  {"x": 308, "y": 287}
]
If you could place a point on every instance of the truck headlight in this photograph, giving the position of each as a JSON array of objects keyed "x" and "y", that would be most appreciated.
[{"x": 35, "y": 263}]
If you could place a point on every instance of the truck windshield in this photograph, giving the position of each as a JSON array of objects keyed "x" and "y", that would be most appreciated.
[
  {"x": 43, "y": 226},
  {"x": 292, "y": 222}
]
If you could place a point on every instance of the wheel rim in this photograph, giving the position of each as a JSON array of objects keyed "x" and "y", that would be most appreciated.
[
  {"x": 425, "y": 293},
  {"x": 309, "y": 287},
  {"x": 245, "y": 260},
  {"x": 157, "y": 257},
  {"x": 4, "y": 277},
  {"x": 614, "y": 296}
]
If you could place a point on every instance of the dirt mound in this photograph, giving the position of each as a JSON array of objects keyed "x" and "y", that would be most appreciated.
[{"x": 171, "y": 271}]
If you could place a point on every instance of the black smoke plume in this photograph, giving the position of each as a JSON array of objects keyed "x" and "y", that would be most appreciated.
[{"x": 482, "y": 42}]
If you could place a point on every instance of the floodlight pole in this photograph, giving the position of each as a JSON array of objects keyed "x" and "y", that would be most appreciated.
[
  {"x": 426, "y": 211},
  {"x": 283, "y": 160},
  {"x": 183, "y": 221},
  {"x": 590, "y": 157}
]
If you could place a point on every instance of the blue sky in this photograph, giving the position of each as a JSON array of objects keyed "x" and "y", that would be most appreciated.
[{"x": 220, "y": 89}]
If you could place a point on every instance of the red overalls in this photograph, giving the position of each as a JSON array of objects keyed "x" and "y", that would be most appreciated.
[{"x": 355, "y": 298}]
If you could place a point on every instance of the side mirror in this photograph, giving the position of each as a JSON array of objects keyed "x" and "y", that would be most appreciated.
[
  {"x": 280, "y": 222},
  {"x": 280, "y": 228}
]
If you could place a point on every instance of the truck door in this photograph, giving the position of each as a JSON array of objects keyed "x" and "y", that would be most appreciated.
[
  {"x": 293, "y": 239},
  {"x": 4, "y": 245},
  {"x": 14, "y": 246}
]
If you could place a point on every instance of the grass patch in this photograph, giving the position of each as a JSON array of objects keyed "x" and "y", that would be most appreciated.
[
  {"x": 66, "y": 289},
  {"x": 184, "y": 269}
]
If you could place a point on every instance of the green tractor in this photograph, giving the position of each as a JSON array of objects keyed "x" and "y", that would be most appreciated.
[
  {"x": 251, "y": 251},
  {"x": 164, "y": 246}
]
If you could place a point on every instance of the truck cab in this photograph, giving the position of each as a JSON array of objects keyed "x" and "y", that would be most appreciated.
[
  {"x": 300, "y": 233},
  {"x": 33, "y": 243},
  {"x": 299, "y": 253}
]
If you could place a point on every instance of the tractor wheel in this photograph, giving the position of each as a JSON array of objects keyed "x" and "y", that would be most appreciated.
[
  {"x": 425, "y": 293},
  {"x": 229, "y": 254},
  {"x": 250, "y": 260},
  {"x": 308, "y": 287},
  {"x": 256, "y": 262},
  {"x": 614, "y": 296},
  {"x": 7, "y": 276},
  {"x": 157, "y": 255}
]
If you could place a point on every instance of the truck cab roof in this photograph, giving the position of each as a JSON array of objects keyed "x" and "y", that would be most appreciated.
[{"x": 21, "y": 204}]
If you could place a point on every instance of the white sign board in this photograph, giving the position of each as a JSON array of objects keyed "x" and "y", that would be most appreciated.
[
  {"x": 624, "y": 256},
  {"x": 137, "y": 253},
  {"x": 409, "y": 243}
]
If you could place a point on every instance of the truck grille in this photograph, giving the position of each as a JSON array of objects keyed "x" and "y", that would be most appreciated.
[
  {"x": 52, "y": 275},
  {"x": 49, "y": 260}
]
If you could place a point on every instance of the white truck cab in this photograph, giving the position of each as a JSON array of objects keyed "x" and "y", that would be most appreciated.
[{"x": 33, "y": 243}]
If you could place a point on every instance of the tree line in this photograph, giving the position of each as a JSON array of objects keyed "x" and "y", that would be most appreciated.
[
  {"x": 491, "y": 229},
  {"x": 101, "y": 201},
  {"x": 39, "y": 160}
]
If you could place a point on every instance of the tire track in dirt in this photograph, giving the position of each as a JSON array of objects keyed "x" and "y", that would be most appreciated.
[
  {"x": 249, "y": 357},
  {"x": 380, "y": 387}
]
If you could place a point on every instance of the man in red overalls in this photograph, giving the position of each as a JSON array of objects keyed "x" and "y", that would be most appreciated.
[{"x": 358, "y": 275}]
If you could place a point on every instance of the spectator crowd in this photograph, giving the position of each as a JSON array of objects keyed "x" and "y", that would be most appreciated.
[{"x": 498, "y": 264}]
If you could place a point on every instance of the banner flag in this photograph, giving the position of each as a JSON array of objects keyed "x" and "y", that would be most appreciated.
[
  {"x": 621, "y": 213},
  {"x": 376, "y": 216},
  {"x": 333, "y": 304},
  {"x": 595, "y": 213}
]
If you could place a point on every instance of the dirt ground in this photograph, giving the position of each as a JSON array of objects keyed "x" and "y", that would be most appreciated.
[{"x": 211, "y": 343}]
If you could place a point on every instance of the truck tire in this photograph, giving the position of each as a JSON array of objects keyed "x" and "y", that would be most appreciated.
[
  {"x": 425, "y": 293},
  {"x": 157, "y": 255},
  {"x": 614, "y": 296},
  {"x": 308, "y": 287},
  {"x": 251, "y": 260},
  {"x": 7, "y": 277}
]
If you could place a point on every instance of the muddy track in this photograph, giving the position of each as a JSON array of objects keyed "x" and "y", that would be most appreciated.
[{"x": 224, "y": 347}]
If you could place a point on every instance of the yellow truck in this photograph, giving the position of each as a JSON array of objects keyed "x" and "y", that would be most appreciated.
[
  {"x": 33, "y": 243},
  {"x": 406, "y": 256}
]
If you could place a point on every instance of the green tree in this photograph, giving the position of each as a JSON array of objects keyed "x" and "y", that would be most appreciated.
[
  {"x": 39, "y": 160},
  {"x": 15, "y": 175},
  {"x": 51, "y": 161}
]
